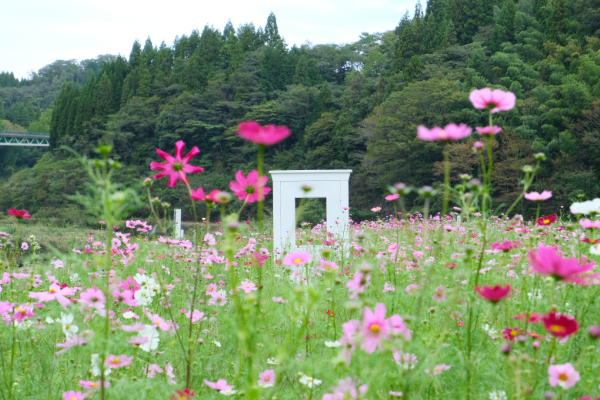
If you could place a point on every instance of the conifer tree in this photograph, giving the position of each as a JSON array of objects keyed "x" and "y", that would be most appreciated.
[
  {"x": 504, "y": 30},
  {"x": 148, "y": 53},
  {"x": 557, "y": 25},
  {"x": 272, "y": 37},
  {"x": 135, "y": 57},
  {"x": 448, "y": 34},
  {"x": 413, "y": 69},
  {"x": 247, "y": 36},
  {"x": 164, "y": 62},
  {"x": 145, "y": 81},
  {"x": 2, "y": 112},
  {"x": 404, "y": 50},
  {"x": 103, "y": 98},
  {"x": 301, "y": 74}
]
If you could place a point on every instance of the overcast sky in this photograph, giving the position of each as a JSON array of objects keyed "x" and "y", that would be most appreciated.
[{"x": 37, "y": 32}]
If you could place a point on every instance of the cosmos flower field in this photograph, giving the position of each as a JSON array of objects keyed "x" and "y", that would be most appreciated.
[{"x": 457, "y": 304}]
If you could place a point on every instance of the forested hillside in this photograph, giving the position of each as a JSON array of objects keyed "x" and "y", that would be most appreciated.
[
  {"x": 351, "y": 106},
  {"x": 26, "y": 104}
]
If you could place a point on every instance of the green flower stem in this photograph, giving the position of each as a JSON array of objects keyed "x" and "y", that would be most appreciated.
[
  {"x": 259, "y": 167},
  {"x": 446, "y": 181}
]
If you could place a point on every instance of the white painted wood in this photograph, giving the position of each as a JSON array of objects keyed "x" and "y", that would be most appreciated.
[
  {"x": 177, "y": 232},
  {"x": 287, "y": 187}
]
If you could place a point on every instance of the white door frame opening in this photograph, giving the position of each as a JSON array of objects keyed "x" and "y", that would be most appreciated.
[{"x": 287, "y": 187}]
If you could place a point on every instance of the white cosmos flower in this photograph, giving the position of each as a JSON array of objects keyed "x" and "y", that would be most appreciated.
[
  {"x": 216, "y": 343},
  {"x": 49, "y": 320},
  {"x": 499, "y": 395},
  {"x": 152, "y": 334},
  {"x": 67, "y": 324},
  {"x": 228, "y": 392},
  {"x": 586, "y": 207},
  {"x": 309, "y": 381},
  {"x": 96, "y": 366},
  {"x": 272, "y": 361},
  {"x": 333, "y": 344},
  {"x": 128, "y": 314}
]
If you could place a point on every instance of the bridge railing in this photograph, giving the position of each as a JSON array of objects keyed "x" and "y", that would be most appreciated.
[{"x": 25, "y": 133}]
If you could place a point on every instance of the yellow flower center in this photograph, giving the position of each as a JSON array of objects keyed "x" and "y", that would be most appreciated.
[
  {"x": 73, "y": 398},
  {"x": 94, "y": 384},
  {"x": 563, "y": 377},
  {"x": 557, "y": 328},
  {"x": 157, "y": 322},
  {"x": 115, "y": 361},
  {"x": 443, "y": 134},
  {"x": 297, "y": 261},
  {"x": 374, "y": 328},
  {"x": 513, "y": 333},
  {"x": 52, "y": 291},
  {"x": 266, "y": 378},
  {"x": 546, "y": 221}
]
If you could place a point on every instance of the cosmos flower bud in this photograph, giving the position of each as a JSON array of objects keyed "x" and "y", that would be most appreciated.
[{"x": 148, "y": 182}]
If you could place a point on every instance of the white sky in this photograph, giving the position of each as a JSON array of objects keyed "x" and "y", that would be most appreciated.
[{"x": 36, "y": 32}]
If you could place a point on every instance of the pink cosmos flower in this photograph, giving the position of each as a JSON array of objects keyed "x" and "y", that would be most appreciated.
[
  {"x": 153, "y": 370},
  {"x": 248, "y": 188},
  {"x": 248, "y": 287},
  {"x": 412, "y": 289},
  {"x": 169, "y": 373},
  {"x": 75, "y": 340},
  {"x": 6, "y": 307},
  {"x": 395, "y": 394},
  {"x": 219, "y": 385},
  {"x": 535, "y": 196},
  {"x": 478, "y": 145},
  {"x": 212, "y": 197},
  {"x": 375, "y": 328},
  {"x": 54, "y": 293},
  {"x": 92, "y": 384},
  {"x": 296, "y": 258},
  {"x": 494, "y": 100},
  {"x": 488, "y": 130},
  {"x": 113, "y": 361},
  {"x": 130, "y": 284},
  {"x": 358, "y": 284},
  {"x": 266, "y": 378},
  {"x": 327, "y": 266},
  {"x": 392, "y": 197},
  {"x": 547, "y": 261},
  {"x": 347, "y": 389},
  {"x": 23, "y": 311},
  {"x": 563, "y": 375},
  {"x": 506, "y": 246},
  {"x": 126, "y": 297},
  {"x": 589, "y": 224},
  {"x": 197, "y": 316},
  {"x": 263, "y": 135},
  {"x": 93, "y": 297},
  {"x": 438, "y": 369},
  {"x": 73, "y": 395},
  {"x": 439, "y": 294},
  {"x": 158, "y": 322},
  {"x": 449, "y": 132},
  {"x": 176, "y": 167}
]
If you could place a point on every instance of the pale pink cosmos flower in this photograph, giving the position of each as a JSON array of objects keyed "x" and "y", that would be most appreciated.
[
  {"x": 439, "y": 294},
  {"x": 266, "y": 378},
  {"x": 328, "y": 266},
  {"x": 169, "y": 372},
  {"x": 73, "y": 395},
  {"x": 395, "y": 394},
  {"x": 248, "y": 287},
  {"x": 197, "y": 316},
  {"x": 535, "y": 196},
  {"x": 219, "y": 385},
  {"x": 154, "y": 369},
  {"x": 398, "y": 327},
  {"x": 75, "y": 340},
  {"x": 494, "y": 100},
  {"x": 412, "y": 289},
  {"x": 449, "y": 132},
  {"x": 137, "y": 327},
  {"x": 113, "y": 361},
  {"x": 392, "y": 197},
  {"x": 347, "y": 389},
  {"x": 93, "y": 297},
  {"x": 262, "y": 135},
  {"x": 296, "y": 258},
  {"x": 375, "y": 328},
  {"x": 279, "y": 300},
  {"x": 589, "y": 224},
  {"x": 488, "y": 130},
  {"x": 248, "y": 188},
  {"x": 158, "y": 322},
  {"x": 92, "y": 384},
  {"x": 176, "y": 167},
  {"x": 563, "y": 375},
  {"x": 54, "y": 293},
  {"x": 211, "y": 289},
  {"x": 449, "y": 228},
  {"x": 438, "y": 369},
  {"x": 478, "y": 145},
  {"x": 349, "y": 330}
]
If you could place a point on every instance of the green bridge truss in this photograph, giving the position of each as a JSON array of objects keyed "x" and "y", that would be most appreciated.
[{"x": 30, "y": 139}]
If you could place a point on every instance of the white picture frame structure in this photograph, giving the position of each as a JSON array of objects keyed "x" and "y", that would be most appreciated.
[{"x": 287, "y": 187}]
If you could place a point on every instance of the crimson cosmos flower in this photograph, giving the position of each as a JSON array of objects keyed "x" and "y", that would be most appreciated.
[
  {"x": 265, "y": 135},
  {"x": 19, "y": 214},
  {"x": 560, "y": 325},
  {"x": 176, "y": 167},
  {"x": 493, "y": 294},
  {"x": 184, "y": 394},
  {"x": 210, "y": 198},
  {"x": 547, "y": 220}
]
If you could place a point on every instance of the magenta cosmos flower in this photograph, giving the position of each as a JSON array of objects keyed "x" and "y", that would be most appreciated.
[
  {"x": 296, "y": 258},
  {"x": 493, "y": 293},
  {"x": 563, "y": 375},
  {"x": 176, "y": 167},
  {"x": 264, "y": 135},
  {"x": 449, "y": 132},
  {"x": 219, "y": 385},
  {"x": 19, "y": 214},
  {"x": 488, "y": 130},
  {"x": 494, "y": 100},
  {"x": 546, "y": 261},
  {"x": 507, "y": 245},
  {"x": 535, "y": 196},
  {"x": 249, "y": 188},
  {"x": 210, "y": 198}
]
